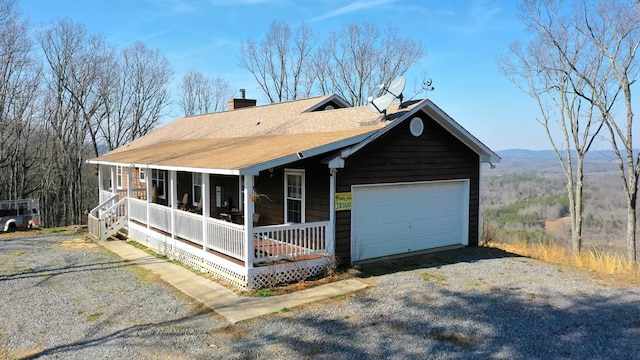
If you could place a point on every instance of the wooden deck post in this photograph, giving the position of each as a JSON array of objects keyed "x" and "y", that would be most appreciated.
[{"x": 248, "y": 221}]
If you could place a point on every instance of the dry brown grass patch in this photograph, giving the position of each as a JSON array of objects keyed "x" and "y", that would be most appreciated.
[
  {"x": 78, "y": 243},
  {"x": 457, "y": 338},
  {"x": 30, "y": 353},
  {"x": 233, "y": 331}
]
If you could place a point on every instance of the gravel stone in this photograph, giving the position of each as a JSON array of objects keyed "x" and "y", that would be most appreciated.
[{"x": 64, "y": 298}]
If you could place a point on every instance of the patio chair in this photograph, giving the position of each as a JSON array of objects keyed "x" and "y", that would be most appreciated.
[
  {"x": 185, "y": 202},
  {"x": 199, "y": 207}
]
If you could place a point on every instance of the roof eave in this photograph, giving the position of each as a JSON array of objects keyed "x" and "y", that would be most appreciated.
[
  {"x": 486, "y": 155},
  {"x": 167, "y": 167},
  {"x": 302, "y": 154}
]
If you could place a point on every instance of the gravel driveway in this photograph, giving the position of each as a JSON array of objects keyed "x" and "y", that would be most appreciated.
[{"x": 63, "y": 298}]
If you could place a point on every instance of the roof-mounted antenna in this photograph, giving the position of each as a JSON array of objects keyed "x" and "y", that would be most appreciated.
[
  {"x": 394, "y": 91},
  {"x": 396, "y": 88}
]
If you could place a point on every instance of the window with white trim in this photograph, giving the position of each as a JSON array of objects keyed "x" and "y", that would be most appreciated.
[
  {"x": 294, "y": 196},
  {"x": 119, "y": 177},
  {"x": 197, "y": 188},
  {"x": 142, "y": 174},
  {"x": 158, "y": 181}
]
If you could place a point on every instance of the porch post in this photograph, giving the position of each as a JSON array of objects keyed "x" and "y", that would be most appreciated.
[
  {"x": 173, "y": 203},
  {"x": 248, "y": 221},
  {"x": 129, "y": 186},
  {"x": 206, "y": 209},
  {"x": 129, "y": 181},
  {"x": 331, "y": 230},
  {"x": 100, "y": 178},
  {"x": 114, "y": 180},
  {"x": 149, "y": 195}
]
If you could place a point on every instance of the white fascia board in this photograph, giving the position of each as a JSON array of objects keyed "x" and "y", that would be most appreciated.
[
  {"x": 288, "y": 159},
  {"x": 170, "y": 168},
  {"x": 486, "y": 154}
]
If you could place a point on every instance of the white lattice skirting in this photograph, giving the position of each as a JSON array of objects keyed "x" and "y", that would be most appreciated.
[{"x": 254, "y": 278}]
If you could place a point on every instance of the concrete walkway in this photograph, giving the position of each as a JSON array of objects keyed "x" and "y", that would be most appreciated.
[{"x": 217, "y": 297}]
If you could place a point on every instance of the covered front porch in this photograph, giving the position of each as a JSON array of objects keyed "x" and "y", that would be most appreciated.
[{"x": 210, "y": 235}]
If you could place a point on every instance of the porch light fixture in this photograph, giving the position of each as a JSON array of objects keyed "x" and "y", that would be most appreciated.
[{"x": 300, "y": 155}]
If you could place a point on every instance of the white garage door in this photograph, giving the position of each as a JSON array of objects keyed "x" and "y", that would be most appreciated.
[{"x": 398, "y": 218}]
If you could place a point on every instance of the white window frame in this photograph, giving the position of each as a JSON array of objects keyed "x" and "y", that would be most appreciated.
[
  {"x": 194, "y": 176},
  {"x": 300, "y": 173},
  {"x": 142, "y": 175},
  {"x": 157, "y": 179},
  {"x": 119, "y": 177}
]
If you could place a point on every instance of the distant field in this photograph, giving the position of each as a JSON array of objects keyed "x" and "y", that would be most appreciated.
[{"x": 525, "y": 195}]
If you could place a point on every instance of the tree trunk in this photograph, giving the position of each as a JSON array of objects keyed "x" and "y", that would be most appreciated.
[
  {"x": 631, "y": 222},
  {"x": 576, "y": 221}
]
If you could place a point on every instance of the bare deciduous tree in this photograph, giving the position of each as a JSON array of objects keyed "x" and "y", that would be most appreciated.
[
  {"x": 278, "y": 62},
  {"x": 598, "y": 41},
  {"x": 357, "y": 59},
  {"x": 614, "y": 28},
  {"x": 74, "y": 78},
  {"x": 201, "y": 95},
  {"x": 19, "y": 81},
  {"x": 137, "y": 95},
  {"x": 546, "y": 69},
  {"x": 352, "y": 62}
]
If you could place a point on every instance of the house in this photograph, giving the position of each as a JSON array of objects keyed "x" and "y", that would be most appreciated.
[{"x": 259, "y": 195}]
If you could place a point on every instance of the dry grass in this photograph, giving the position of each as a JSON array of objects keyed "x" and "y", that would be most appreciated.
[
  {"x": 78, "y": 243},
  {"x": 603, "y": 262}
]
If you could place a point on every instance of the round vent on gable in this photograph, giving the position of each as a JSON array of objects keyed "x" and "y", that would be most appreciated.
[
  {"x": 416, "y": 126},
  {"x": 329, "y": 107}
]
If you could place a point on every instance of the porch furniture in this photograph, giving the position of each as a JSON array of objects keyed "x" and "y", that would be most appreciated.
[{"x": 185, "y": 202}]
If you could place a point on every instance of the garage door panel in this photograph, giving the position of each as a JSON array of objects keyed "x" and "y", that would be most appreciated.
[{"x": 392, "y": 219}]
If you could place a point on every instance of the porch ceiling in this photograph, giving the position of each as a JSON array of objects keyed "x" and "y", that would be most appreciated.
[{"x": 230, "y": 153}]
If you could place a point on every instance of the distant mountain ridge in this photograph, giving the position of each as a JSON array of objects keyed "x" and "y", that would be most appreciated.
[{"x": 524, "y": 154}]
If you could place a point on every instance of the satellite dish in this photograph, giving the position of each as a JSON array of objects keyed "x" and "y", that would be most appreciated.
[
  {"x": 381, "y": 104},
  {"x": 397, "y": 87}
]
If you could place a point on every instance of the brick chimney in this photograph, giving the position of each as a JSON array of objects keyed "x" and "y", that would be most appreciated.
[{"x": 241, "y": 102}]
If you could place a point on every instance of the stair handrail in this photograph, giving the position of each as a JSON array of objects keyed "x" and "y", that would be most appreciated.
[{"x": 95, "y": 211}]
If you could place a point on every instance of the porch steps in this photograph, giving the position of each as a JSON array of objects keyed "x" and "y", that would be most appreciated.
[{"x": 114, "y": 227}]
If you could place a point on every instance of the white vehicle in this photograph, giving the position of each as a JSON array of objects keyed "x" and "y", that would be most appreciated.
[{"x": 19, "y": 214}]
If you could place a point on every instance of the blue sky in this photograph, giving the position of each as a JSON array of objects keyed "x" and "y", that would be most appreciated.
[{"x": 462, "y": 39}]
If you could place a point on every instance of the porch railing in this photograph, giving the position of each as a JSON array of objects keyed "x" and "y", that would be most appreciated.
[
  {"x": 273, "y": 242},
  {"x": 105, "y": 195},
  {"x": 137, "y": 193},
  {"x": 160, "y": 217},
  {"x": 104, "y": 220},
  {"x": 138, "y": 210},
  {"x": 226, "y": 238},
  {"x": 189, "y": 226},
  {"x": 276, "y": 242},
  {"x": 104, "y": 204}
]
